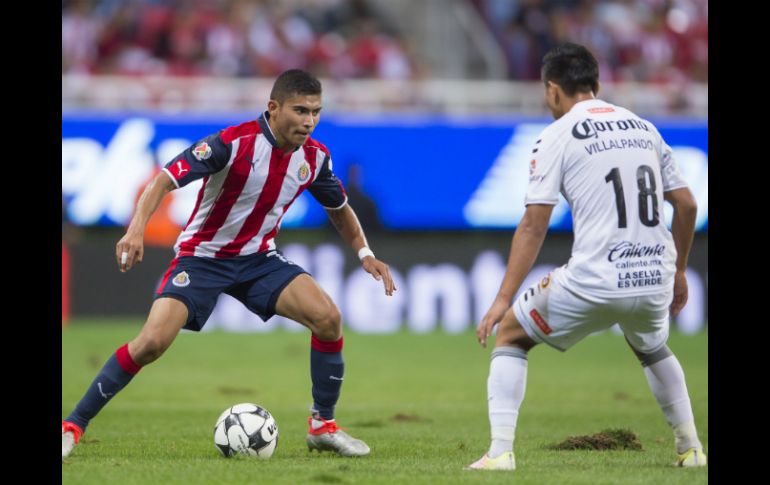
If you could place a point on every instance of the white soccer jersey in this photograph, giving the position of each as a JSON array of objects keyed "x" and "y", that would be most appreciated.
[{"x": 612, "y": 168}]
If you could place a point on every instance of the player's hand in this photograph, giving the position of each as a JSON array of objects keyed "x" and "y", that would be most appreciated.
[
  {"x": 492, "y": 318},
  {"x": 129, "y": 251},
  {"x": 381, "y": 272},
  {"x": 680, "y": 293}
]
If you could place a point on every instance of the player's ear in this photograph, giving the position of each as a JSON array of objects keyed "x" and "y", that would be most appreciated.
[
  {"x": 272, "y": 106},
  {"x": 553, "y": 89},
  {"x": 598, "y": 88}
]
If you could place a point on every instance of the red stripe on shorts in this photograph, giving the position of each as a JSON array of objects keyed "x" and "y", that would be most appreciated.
[{"x": 165, "y": 276}]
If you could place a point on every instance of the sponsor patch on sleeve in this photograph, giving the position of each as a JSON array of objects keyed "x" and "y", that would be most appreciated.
[{"x": 179, "y": 169}]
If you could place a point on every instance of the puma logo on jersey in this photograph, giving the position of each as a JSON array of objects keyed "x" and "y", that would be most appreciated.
[{"x": 179, "y": 168}]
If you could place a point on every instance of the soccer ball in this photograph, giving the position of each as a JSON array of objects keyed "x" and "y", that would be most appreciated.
[{"x": 248, "y": 429}]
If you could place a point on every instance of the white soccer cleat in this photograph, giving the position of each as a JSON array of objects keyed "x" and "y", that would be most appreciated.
[
  {"x": 70, "y": 435},
  {"x": 506, "y": 461},
  {"x": 327, "y": 436},
  {"x": 691, "y": 458},
  {"x": 67, "y": 443}
]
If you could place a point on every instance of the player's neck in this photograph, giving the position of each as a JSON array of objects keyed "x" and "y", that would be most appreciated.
[
  {"x": 569, "y": 103},
  {"x": 282, "y": 144},
  {"x": 285, "y": 146}
]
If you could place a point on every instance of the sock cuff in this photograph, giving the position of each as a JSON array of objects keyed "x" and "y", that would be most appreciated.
[
  {"x": 509, "y": 352},
  {"x": 655, "y": 357},
  {"x": 125, "y": 360},
  {"x": 328, "y": 347}
]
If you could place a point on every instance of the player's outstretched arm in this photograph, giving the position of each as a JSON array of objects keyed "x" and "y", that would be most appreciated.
[
  {"x": 130, "y": 248},
  {"x": 527, "y": 240},
  {"x": 683, "y": 231},
  {"x": 346, "y": 223}
]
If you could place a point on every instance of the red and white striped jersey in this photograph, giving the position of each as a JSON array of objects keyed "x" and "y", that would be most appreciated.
[{"x": 248, "y": 185}]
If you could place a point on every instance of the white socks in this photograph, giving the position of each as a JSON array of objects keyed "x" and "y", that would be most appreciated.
[
  {"x": 686, "y": 437},
  {"x": 505, "y": 391},
  {"x": 666, "y": 380},
  {"x": 508, "y": 380}
]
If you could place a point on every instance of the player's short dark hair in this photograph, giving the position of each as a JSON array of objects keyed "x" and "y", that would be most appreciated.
[
  {"x": 294, "y": 82},
  {"x": 573, "y": 68}
]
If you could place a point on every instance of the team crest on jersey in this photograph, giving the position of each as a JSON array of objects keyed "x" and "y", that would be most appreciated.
[
  {"x": 545, "y": 282},
  {"x": 202, "y": 151},
  {"x": 304, "y": 172},
  {"x": 182, "y": 279},
  {"x": 532, "y": 168}
]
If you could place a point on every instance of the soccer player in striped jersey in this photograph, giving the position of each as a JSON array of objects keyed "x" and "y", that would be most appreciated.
[
  {"x": 251, "y": 173},
  {"x": 615, "y": 171}
]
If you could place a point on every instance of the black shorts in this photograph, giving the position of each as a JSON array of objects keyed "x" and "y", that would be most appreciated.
[{"x": 255, "y": 280}]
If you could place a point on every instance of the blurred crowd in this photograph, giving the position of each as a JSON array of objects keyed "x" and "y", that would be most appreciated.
[
  {"x": 257, "y": 38},
  {"x": 654, "y": 41},
  {"x": 634, "y": 40}
]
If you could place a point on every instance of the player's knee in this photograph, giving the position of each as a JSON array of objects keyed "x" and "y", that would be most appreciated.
[
  {"x": 653, "y": 357},
  {"x": 512, "y": 334},
  {"x": 328, "y": 324},
  {"x": 148, "y": 348},
  {"x": 521, "y": 341}
]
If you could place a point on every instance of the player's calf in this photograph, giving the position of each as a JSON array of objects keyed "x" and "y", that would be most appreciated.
[
  {"x": 666, "y": 380},
  {"x": 117, "y": 372}
]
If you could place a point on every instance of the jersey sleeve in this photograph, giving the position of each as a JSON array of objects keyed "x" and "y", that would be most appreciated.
[
  {"x": 327, "y": 188},
  {"x": 545, "y": 174},
  {"x": 202, "y": 158},
  {"x": 669, "y": 170}
]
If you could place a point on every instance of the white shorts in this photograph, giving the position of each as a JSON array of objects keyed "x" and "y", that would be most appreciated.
[{"x": 550, "y": 313}]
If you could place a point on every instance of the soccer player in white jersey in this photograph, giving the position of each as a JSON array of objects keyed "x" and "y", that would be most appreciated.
[
  {"x": 615, "y": 171},
  {"x": 251, "y": 174}
]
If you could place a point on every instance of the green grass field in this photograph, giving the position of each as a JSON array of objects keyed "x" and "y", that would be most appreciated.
[{"x": 419, "y": 401}]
